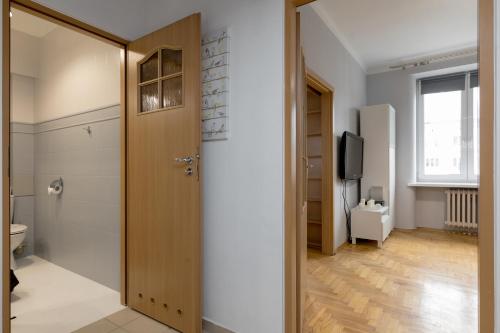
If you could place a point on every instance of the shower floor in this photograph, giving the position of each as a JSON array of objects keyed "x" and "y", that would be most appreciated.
[{"x": 51, "y": 299}]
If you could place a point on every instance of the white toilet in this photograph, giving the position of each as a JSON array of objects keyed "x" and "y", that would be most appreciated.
[{"x": 17, "y": 234}]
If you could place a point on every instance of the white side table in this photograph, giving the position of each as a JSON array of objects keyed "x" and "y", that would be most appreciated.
[{"x": 370, "y": 223}]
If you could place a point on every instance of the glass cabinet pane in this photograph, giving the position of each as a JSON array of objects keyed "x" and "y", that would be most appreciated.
[
  {"x": 172, "y": 92},
  {"x": 149, "y": 97},
  {"x": 149, "y": 69},
  {"x": 171, "y": 61}
]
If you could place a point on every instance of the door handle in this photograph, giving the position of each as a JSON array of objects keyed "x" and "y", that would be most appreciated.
[
  {"x": 186, "y": 160},
  {"x": 306, "y": 162}
]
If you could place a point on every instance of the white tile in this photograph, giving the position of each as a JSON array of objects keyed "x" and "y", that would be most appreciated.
[
  {"x": 100, "y": 326},
  {"x": 106, "y": 252},
  {"x": 144, "y": 324},
  {"x": 123, "y": 317},
  {"x": 50, "y": 299},
  {"x": 106, "y": 134},
  {"x": 22, "y": 184}
]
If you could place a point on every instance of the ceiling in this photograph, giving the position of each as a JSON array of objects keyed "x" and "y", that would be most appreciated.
[
  {"x": 30, "y": 24},
  {"x": 129, "y": 19},
  {"x": 385, "y": 32},
  {"x": 377, "y": 33}
]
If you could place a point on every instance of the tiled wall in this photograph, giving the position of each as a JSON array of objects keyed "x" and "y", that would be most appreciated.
[
  {"x": 22, "y": 170},
  {"x": 80, "y": 229}
]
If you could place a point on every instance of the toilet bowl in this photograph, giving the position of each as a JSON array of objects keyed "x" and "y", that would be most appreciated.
[{"x": 17, "y": 234}]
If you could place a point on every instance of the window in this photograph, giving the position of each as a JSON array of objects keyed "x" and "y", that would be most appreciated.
[
  {"x": 160, "y": 80},
  {"x": 448, "y": 128}
]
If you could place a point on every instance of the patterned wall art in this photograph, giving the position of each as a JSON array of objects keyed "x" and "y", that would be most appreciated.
[{"x": 215, "y": 86}]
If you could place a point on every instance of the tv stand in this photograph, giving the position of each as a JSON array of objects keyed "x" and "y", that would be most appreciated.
[{"x": 370, "y": 223}]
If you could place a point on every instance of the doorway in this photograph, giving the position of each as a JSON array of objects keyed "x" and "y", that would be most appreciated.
[
  {"x": 319, "y": 152},
  {"x": 486, "y": 165},
  {"x": 65, "y": 175},
  {"x": 163, "y": 69}
]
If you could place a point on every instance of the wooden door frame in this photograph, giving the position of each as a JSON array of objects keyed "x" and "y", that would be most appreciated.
[
  {"x": 329, "y": 169},
  {"x": 81, "y": 27},
  {"x": 486, "y": 233},
  {"x": 292, "y": 251},
  {"x": 486, "y": 18}
]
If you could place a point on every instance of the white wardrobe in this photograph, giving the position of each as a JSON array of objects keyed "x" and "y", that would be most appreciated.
[{"x": 378, "y": 128}]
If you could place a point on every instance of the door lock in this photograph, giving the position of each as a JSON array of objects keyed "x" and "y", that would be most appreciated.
[
  {"x": 186, "y": 160},
  {"x": 188, "y": 163}
]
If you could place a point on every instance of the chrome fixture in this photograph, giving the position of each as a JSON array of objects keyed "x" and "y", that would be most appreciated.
[
  {"x": 186, "y": 160},
  {"x": 56, "y": 187}
]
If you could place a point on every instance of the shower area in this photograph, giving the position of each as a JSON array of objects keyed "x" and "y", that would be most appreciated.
[{"x": 65, "y": 176}]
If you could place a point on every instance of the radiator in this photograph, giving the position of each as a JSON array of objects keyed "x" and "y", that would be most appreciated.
[{"x": 462, "y": 208}]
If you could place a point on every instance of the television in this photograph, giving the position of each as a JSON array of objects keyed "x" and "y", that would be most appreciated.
[{"x": 351, "y": 156}]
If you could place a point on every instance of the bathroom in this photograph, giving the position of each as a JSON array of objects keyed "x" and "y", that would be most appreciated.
[{"x": 65, "y": 176}]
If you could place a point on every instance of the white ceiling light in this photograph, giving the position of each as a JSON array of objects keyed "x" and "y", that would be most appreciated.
[{"x": 468, "y": 52}]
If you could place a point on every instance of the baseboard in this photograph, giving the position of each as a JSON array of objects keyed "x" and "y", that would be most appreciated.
[
  {"x": 341, "y": 246},
  {"x": 211, "y": 327}
]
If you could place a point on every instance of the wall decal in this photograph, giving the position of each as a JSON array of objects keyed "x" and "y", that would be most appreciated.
[{"x": 215, "y": 86}]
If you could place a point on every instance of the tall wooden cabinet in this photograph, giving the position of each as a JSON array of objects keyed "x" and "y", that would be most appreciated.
[
  {"x": 315, "y": 169},
  {"x": 318, "y": 120}
]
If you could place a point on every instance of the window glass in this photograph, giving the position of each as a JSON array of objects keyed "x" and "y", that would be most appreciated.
[
  {"x": 448, "y": 128},
  {"x": 475, "y": 129},
  {"x": 149, "y": 69},
  {"x": 442, "y": 133},
  {"x": 161, "y": 90}
]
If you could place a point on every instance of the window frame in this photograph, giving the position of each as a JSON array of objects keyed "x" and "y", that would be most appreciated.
[
  {"x": 467, "y": 145},
  {"x": 159, "y": 79},
  {"x": 471, "y": 175}
]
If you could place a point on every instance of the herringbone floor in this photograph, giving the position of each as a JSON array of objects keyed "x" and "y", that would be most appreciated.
[{"x": 422, "y": 281}]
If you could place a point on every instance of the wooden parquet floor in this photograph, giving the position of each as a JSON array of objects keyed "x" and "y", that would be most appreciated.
[{"x": 422, "y": 281}]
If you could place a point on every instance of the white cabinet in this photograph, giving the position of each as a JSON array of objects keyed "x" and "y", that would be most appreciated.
[
  {"x": 378, "y": 128},
  {"x": 372, "y": 224}
]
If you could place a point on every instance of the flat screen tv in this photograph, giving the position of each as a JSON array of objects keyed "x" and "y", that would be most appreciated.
[{"x": 351, "y": 156}]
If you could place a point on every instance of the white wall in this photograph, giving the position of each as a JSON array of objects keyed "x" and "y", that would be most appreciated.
[
  {"x": 328, "y": 58},
  {"x": 24, "y": 68},
  {"x": 430, "y": 208},
  {"x": 414, "y": 207},
  {"x": 22, "y": 95},
  {"x": 243, "y": 186},
  {"x": 84, "y": 74},
  {"x": 24, "y": 54},
  {"x": 243, "y": 177}
]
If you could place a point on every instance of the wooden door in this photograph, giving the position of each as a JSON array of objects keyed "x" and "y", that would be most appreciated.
[{"x": 163, "y": 192}]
